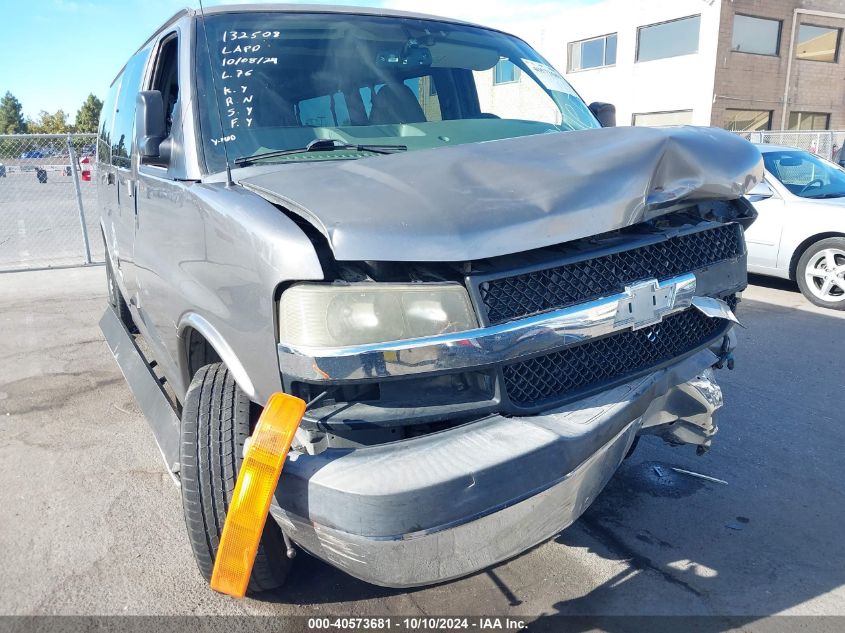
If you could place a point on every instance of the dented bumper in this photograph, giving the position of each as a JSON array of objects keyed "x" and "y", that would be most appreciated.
[{"x": 445, "y": 505}]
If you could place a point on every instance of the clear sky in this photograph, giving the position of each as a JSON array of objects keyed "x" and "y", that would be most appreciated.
[{"x": 54, "y": 52}]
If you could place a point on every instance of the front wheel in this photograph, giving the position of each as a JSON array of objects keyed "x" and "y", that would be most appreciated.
[
  {"x": 821, "y": 273},
  {"x": 216, "y": 420}
]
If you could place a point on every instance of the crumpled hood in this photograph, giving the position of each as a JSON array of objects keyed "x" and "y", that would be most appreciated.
[{"x": 487, "y": 199}]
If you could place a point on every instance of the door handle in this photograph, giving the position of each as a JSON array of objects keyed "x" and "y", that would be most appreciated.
[{"x": 130, "y": 187}]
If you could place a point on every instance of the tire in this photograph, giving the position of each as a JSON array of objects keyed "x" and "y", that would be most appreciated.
[
  {"x": 116, "y": 299},
  {"x": 817, "y": 274},
  {"x": 215, "y": 422}
]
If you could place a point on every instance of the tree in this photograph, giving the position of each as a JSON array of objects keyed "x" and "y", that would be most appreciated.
[
  {"x": 47, "y": 123},
  {"x": 11, "y": 115},
  {"x": 88, "y": 116}
]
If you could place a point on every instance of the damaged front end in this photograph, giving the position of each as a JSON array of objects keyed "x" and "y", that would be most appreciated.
[
  {"x": 481, "y": 443},
  {"x": 551, "y": 327},
  {"x": 442, "y": 505},
  {"x": 481, "y": 439}
]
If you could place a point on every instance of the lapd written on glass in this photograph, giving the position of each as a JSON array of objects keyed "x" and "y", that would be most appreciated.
[{"x": 240, "y": 53}]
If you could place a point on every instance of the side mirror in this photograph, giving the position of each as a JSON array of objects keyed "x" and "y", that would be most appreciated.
[
  {"x": 151, "y": 129},
  {"x": 761, "y": 191},
  {"x": 604, "y": 112}
]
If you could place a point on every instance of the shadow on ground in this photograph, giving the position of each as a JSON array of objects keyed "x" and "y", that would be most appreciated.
[{"x": 776, "y": 283}]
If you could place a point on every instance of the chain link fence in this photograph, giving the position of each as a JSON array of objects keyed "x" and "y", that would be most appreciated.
[
  {"x": 824, "y": 143},
  {"x": 48, "y": 195}
]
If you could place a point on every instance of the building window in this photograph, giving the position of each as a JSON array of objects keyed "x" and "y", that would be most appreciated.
[
  {"x": 748, "y": 120},
  {"x": 808, "y": 121},
  {"x": 505, "y": 72},
  {"x": 759, "y": 36},
  {"x": 668, "y": 39},
  {"x": 660, "y": 119},
  {"x": 818, "y": 43},
  {"x": 592, "y": 53}
]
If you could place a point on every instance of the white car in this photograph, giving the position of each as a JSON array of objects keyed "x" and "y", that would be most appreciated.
[{"x": 800, "y": 231}]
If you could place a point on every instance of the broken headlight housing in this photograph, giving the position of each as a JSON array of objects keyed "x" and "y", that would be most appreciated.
[{"x": 331, "y": 315}]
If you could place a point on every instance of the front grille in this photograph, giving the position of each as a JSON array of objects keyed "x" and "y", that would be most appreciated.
[
  {"x": 577, "y": 370},
  {"x": 518, "y": 296}
]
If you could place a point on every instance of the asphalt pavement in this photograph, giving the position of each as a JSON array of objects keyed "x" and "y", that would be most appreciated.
[{"x": 90, "y": 523}]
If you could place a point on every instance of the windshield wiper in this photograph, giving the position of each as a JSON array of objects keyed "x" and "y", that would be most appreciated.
[
  {"x": 322, "y": 145},
  {"x": 828, "y": 195}
]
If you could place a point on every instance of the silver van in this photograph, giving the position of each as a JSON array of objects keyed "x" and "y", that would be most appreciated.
[{"x": 483, "y": 290}]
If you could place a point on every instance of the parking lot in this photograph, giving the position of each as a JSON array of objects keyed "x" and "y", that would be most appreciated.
[
  {"x": 92, "y": 524},
  {"x": 39, "y": 222}
]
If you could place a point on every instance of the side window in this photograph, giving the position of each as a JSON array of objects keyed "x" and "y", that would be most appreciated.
[
  {"x": 106, "y": 121},
  {"x": 124, "y": 116},
  {"x": 166, "y": 76}
]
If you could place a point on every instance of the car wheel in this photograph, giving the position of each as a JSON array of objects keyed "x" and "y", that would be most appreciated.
[
  {"x": 216, "y": 421},
  {"x": 821, "y": 273}
]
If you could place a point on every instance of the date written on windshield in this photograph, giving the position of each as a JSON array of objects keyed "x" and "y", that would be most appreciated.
[{"x": 238, "y": 106}]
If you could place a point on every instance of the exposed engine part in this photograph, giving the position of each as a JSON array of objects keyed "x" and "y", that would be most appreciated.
[{"x": 684, "y": 415}]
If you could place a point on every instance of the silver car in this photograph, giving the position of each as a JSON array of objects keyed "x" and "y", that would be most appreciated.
[
  {"x": 800, "y": 230},
  {"x": 484, "y": 292}
]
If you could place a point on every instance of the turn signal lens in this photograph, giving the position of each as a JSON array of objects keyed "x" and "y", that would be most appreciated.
[{"x": 257, "y": 481}]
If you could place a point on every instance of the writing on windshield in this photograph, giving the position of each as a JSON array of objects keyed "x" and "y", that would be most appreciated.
[{"x": 278, "y": 81}]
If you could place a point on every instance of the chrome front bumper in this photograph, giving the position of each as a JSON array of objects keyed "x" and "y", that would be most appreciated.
[
  {"x": 444, "y": 505},
  {"x": 640, "y": 305}
]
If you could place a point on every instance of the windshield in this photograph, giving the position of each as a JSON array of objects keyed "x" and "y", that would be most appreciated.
[
  {"x": 806, "y": 175},
  {"x": 282, "y": 80}
]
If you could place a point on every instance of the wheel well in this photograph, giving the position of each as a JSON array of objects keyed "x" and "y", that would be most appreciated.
[
  {"x": 803, "y": 246},
  {"x": 198, "y": 351}
]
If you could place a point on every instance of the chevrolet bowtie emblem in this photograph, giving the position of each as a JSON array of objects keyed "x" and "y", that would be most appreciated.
[{"x": 647, "y": 302}]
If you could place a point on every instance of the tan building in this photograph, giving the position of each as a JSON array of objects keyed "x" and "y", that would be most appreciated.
[{"x": 780, "y": 65}]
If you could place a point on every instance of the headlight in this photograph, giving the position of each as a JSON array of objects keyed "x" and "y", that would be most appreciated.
[{"x": 323, "y": 315}]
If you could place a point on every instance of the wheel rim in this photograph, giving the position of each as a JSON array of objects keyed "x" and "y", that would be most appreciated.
[{"x": 825, "y": 275}]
